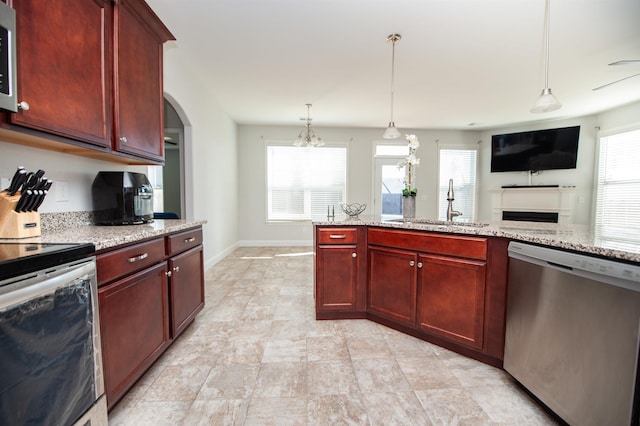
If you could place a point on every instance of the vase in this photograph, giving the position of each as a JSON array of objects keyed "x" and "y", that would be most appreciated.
[{"x": 408, "y": 207}]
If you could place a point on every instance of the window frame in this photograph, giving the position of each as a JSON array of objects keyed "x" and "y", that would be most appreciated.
[
  {"x": 339, "y": 214},
  {"x": 601, "y": 236}
]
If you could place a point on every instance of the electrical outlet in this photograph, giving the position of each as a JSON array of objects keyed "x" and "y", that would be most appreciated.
[{"x": 62, "y": 190}]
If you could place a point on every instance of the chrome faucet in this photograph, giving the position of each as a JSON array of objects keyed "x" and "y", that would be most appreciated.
[{"x": 451, "y": 213}]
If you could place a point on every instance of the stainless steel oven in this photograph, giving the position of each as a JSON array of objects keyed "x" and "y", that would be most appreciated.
[{"x": 50, "y": 360}]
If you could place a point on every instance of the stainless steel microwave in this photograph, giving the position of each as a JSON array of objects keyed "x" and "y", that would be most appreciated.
[{"x": 8, "y": 86}]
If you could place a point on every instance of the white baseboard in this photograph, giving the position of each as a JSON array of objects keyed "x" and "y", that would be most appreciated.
[
  {"x": 276, "y": 243},
  {"x": 217, "y": 258}
]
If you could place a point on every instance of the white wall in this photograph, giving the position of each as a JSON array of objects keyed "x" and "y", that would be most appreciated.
[
  {"x": 581, "y": 177},
  {"x": 210, "y": 149},
  {"x": 252, "y": 176}
]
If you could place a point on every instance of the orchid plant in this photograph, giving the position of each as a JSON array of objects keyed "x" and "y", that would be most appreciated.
[{"x": 410, "y": 162}]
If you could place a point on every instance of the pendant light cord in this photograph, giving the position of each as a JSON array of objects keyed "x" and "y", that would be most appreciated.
[
  {"x": 546, "y": 30},
  {"x": 393, "y": 62}
]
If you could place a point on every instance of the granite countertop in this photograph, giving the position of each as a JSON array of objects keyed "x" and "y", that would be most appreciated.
[
  {"x": 77, "y": 227},
  {"x": 579, "y": 238}
]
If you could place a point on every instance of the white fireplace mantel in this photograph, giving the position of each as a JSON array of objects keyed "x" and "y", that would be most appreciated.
[{"x": 534, "y": 199}]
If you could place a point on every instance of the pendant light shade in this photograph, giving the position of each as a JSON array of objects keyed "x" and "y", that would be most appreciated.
[
  {"x": 546, "y": 102},
  {"x": 392, "y": 132}
]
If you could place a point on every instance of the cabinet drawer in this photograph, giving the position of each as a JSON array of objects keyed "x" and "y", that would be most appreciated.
[
  {"x": 182, "y": 241},
  {"x": 430, "y": 242},
  {"x": 128, "y": 260},
  {"x": 335, "y": 235}
]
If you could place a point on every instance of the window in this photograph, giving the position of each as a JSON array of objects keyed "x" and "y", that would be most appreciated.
[
  {"x": 303, "y": 182},
  {"x": 617, "y": 216},
  {"x": 388, "y": 178},
  {"x": 458, "y": 164}
]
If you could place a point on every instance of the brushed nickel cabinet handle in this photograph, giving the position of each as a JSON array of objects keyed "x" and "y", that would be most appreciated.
[
  {"x": 337, "y": 237},
  {"x": 168, "y": 273},
  {"x": 419, "y": 264},
  {"x": 136, "y": 258},
  {"x": 176, "y": 269},
  {"x": 189, "y": 240},
  {"x": 411, "y": 263},
  {"x": 123, "y": 139},
  {"x": 24, "y": 105},
  {"x": 354, "y": 254}
]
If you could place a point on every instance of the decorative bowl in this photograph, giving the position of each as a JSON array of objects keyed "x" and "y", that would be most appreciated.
[{"x": 353, "y": 210}]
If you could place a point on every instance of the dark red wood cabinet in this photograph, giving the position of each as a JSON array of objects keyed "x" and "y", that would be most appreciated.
[
  {"x": 148, "y": 293},
  {"x": 340, "y": 272},
  {"x": 91, "y": 73},
  {"x": 446, "y": 288},
  {"x": 64, "y": 68}
]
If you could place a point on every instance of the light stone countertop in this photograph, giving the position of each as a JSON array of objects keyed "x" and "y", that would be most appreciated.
[
  {"x": 77, "y": 227},
  {"x": 578, "y": 238}
]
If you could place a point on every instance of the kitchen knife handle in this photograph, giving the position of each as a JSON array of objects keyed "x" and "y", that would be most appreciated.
[{"x": 22, "y": 202}]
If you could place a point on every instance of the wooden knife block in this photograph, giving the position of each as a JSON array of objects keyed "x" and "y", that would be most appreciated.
[{"x": 14, "y": 224}]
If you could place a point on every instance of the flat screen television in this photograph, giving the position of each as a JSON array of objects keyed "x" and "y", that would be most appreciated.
[{"x": 535, "y": 150}]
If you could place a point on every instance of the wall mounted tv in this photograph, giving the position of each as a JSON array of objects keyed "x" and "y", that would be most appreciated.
[{"x": 535, "y": 150}]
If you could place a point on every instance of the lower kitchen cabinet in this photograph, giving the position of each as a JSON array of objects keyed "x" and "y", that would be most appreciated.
[
  {"x": 450, "y": 299},
  {"x": 134, "y": 327},
  {"x": 340, "y": 272},
  {"x": 392, "y": 284},
  {"x": 186, "y": 287},
  {"x": 148, "y": 294},
  {"x": 446, "y": 288}
]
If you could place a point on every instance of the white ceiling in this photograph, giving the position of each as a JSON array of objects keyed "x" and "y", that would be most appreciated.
[{"x": 459, "y": 61}]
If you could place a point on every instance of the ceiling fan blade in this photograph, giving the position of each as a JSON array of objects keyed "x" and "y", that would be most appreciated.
[
  {"x": 617, "y": 81},
  {"x": 626, "y": 62}
]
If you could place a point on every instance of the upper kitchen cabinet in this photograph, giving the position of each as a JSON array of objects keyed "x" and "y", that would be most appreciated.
[
  {"x": 91, "y": 74},
  {"x": 139, "y": 37},
  {"x": 63, "y": 62}
]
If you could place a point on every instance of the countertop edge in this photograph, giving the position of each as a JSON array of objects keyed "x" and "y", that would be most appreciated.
[
  {"x": 106, "y": 237},
  {"x": 576, "y": 238}
]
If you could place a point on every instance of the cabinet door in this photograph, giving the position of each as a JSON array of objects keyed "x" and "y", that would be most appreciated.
[
  {"x": 63, "y": 63},
  {"x": 337, "y": 278},
  {"x": 186, "y": 288},
  {"x": 134, "y": 327},
  {"x": 451, "y": 298},
  {"x": 138, "y": 76},
  {"x": 392, "y": 284}
]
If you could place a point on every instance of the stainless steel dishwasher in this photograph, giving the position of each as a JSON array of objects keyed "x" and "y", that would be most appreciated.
[{"x": 572, "y": 333}]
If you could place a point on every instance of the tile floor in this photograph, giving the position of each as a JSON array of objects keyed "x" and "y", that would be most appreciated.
[{"x": 256, "y": 356}]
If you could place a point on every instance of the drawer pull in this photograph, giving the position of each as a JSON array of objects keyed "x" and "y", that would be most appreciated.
[
  {"x": 337, "y": 237},
  {"x": 136, "y": 258},
  {"x": 176, "y": 269},
  {"x": 189, "y": 240}
]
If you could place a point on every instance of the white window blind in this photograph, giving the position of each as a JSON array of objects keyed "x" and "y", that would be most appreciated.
[
  {"x": 458, "y": 164},
  {"x": 617, "y": 221},
  {"x": 303, "y": 182}
]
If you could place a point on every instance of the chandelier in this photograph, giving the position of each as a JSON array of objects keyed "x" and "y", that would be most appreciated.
[
  {"x": 546, "y": 101},
  {"x": 307, "y": 137},
  {"x": 391, "y": 132}
]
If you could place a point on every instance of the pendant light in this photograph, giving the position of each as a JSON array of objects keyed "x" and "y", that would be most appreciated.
[
  {"x": 392, "y": 132},
  {"x": 546, "y": 102},
  {"x": 306, "y": 137}
]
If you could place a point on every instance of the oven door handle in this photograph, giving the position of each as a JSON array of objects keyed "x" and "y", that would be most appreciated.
[{"x": 42, "y": 283}]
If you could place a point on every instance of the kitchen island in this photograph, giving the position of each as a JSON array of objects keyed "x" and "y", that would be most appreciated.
[{"x": 442, "y": 282}]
